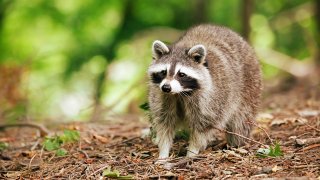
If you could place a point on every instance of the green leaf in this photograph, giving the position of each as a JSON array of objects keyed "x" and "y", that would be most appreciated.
[
  {"x": 55, "y": 142},
  {"x": 145, "y": 106},
  {"x": 115, "y": 174},
  {"x": 51, "y": 144},
  {"x": 3, "y": 146},
  {"x": 125, "y": 177},
  {"x": 271, "y": 152},
  {"x": 111, "y": 174},
  {"x": 61, "y": 152},
  {"x": 276, "y": 151},
  {"x": 70, "y": 136}
]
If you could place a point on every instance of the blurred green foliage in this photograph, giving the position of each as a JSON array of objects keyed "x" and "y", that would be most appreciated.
[{"x": 76, "y": 55}]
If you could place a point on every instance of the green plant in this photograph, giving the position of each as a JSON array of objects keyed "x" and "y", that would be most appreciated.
[
  {"x": 61, "y": 152},
  {"x": 54, "y": 143},
  {"x": 270, "y": 152},
  {"x": 3, "y": 146},
  {"x": 115, "y": 174}
]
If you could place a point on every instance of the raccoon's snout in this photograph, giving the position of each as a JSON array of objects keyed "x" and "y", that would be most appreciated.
[{"x": 166, "y": 88}]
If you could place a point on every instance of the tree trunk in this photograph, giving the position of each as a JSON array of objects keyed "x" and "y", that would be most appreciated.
[
  {"x": 246, "y": 14},
  {"x": 317, "y": 35},
  {"x": 200, "y": 11}
]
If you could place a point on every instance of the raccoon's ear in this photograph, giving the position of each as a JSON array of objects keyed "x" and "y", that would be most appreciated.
[
  {"x": 198, "y": 53},
  {"x": 159, "y": 49}
]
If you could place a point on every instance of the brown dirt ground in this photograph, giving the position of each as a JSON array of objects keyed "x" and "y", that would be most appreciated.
[{"x": 285, "y": 116}]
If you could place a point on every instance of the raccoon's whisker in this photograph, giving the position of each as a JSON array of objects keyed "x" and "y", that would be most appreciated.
[{"x": 184, "y": 94}]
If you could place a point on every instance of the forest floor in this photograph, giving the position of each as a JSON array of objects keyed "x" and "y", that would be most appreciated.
[{"x": 115, "y": 147}]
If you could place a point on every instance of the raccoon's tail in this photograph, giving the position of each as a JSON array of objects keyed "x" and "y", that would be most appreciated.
[{"x": 237, "y": 125}]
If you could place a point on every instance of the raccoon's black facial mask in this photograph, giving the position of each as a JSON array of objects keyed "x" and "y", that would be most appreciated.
[
  {"x": 188, "y": 83},
  {"x": 157, "y": 77}
]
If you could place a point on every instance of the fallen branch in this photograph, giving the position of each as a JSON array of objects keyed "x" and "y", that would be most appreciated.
[
  {"x": 43, "y": 130},
  {"x": 310, "y": 147},
  {"x": 308, "y": 141},
  {"x": 249, "y": 139}
]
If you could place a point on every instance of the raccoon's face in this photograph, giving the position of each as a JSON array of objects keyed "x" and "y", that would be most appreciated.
[{"x": 177, "y": 70}]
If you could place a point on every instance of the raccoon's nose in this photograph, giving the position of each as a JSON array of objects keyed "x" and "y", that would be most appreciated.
[{"x": 166, "y": 88}]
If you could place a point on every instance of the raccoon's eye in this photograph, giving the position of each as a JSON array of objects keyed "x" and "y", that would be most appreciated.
[
  {"x": 163, "y": 72},
  {"x": 180, "y": 74}
]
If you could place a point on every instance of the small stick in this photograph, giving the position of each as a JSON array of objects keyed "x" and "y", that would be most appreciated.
[
  {"x": 310, "y": 147},
  {"x": 169, "y": 166},
  {"x": 167, "y": 176},
  {"x": 35, "y": 145},
  {"x": 249, "y": 139},
  {"x": 121, "y": 142},
  {"x": 307, "y": 141},
  {"x": 313, "y": 128},
  {"x": 255, "y": 124},
  {"x": 31, "y": 160},
  {"x": 84, "y": 153},
  {"x": 306, "y": 166},
  {"x": 103, "y": 167}
]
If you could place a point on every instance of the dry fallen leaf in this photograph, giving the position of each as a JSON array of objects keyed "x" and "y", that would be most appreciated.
[
  {"x": 293, "y": 120},
  {"x": 100, "y": 138},
  {"x": 264, "y": 117},
  {"x": 276, "y": 168},
  {"x": 240, "y": 150},
  {"x": 308, "y": 113}
]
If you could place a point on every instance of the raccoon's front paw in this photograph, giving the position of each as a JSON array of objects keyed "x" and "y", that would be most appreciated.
[
  {"x": 161, "y": 161},
  {"x": 165, "y": 164},
  {"x": 192, "y": 153}
]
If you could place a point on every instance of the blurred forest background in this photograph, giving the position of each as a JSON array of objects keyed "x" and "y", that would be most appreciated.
[{"x": 87, "y": 60}]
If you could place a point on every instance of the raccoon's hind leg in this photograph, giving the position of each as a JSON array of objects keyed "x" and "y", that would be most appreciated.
[
  {"x": 237, "y": 124},
  {"x": 198, "y": 141}
]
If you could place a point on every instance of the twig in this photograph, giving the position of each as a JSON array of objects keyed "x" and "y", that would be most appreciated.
[
  {"x": 307, "y": 166},
  {"x": 307, "y": 141},
  {"x": 169, "y": 166},
  {"x": 249, "y": 139},
  {"x": 121, "y": 142},
  {"x": 103, "y": 167},
  {"x": 255, "y": 124},
  {"x": 310, "y": 147},
  {"x": 84, "y": 153},
  {"x": 166, "y": 176},
  {"x": 31, "y": 160},
  {"x": 316, "y": 129},
  {"x": 35, "y": 145},
  {"x": 43, "y": 130}
]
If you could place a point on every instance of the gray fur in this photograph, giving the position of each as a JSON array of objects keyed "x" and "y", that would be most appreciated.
[{"x": 230, "y": 88}]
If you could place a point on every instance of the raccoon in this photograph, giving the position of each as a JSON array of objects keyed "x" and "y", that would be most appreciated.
[{"x": 210, "y": 78}]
